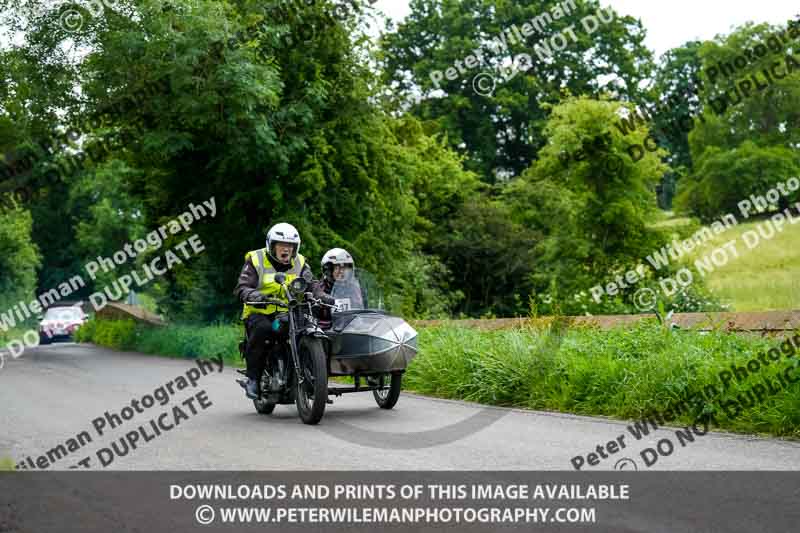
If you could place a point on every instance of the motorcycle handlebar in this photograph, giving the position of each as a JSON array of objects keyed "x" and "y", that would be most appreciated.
[
  {"x": 281, "y": 303},
  {"x": 265, "y": 303}
]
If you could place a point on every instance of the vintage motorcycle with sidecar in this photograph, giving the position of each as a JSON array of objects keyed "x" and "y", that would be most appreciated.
[{"x": 360, "y": 340}]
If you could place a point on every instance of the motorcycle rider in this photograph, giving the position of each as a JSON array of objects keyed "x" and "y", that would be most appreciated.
[
  {"x": 257, "y": 284},
  {"x": 338, "y": 268}
]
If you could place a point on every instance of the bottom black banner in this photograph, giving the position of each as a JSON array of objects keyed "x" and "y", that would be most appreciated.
[{"x": 42, "y": 502}]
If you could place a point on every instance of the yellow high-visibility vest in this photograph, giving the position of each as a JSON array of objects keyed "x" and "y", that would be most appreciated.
[{"x": 266, "y": 280}]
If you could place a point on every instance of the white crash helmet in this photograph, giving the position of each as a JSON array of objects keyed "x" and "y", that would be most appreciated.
[
  {"x": 283, "y": 232},
  {"x": 336, "y": 256}
]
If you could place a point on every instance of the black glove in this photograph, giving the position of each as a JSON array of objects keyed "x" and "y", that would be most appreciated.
[
  {"x": 327, "y": 299},
  {"x": 257, "y": 297}
]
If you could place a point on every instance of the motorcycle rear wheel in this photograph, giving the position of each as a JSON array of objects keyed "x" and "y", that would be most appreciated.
[
  {"x": 263, "y": 406},
  {"x": 312, "y": 395}
]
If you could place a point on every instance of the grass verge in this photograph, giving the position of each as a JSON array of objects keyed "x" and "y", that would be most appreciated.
[
  {"x": 12, "y": 335},
  {"x": 623, "y": 373},
  {"x": 190, "y": 341}
]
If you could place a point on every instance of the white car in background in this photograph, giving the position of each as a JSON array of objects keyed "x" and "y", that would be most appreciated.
[{"x": 60, "y": 323}]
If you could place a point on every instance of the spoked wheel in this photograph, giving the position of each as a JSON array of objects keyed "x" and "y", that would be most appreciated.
[
  {"x": 386, "y": 398},
  {"x": 312, "y": 395},
  {"x": 262, "y": 405}
]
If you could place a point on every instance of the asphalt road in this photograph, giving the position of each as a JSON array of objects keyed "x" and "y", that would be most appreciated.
[{"x": 52, "y": 393}]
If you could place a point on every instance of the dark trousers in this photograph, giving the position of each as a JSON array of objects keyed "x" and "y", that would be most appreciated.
[{"x": 259, "y": 331}]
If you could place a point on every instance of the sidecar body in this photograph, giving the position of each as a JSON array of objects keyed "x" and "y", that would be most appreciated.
[{"x": 365, "y": 342}]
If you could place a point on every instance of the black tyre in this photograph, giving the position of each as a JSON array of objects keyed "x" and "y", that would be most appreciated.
[
  {"x": 44, "y": 338},
  {"x": 387, "y": 398},
  {"x": 312, "y": 395},
  {"x": 263, "y": 406}
]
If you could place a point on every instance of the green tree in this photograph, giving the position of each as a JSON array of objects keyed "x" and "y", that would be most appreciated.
[
  {"x": 726, "y": 177},
  {"x": 675, "y": 95},
  {"x": 106, "y": 216},
  {"x": 502, "y": 134},
  {"x": 195, "y": 99},
  {"x": 19, "y": 257},
  {"x": 747, "y": 143},
  {"x": 490, "y": 256},
  {"x": 592, "y": 211}
]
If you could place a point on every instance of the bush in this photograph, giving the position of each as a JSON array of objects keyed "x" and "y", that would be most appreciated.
[
  {"x": 86, "y": 333},
  {"x": 19, "y": 256},
  {"x": 191, "y": 341},
  {"x": 725, "y": 178},
  {"x": 116, "y": 334},
  {"x": 174, "y": 340}
]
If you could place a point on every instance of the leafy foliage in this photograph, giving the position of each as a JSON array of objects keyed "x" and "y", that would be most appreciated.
[
  {"x": 592, "y": 212},
  {"x": 189, "y": 341},
  {"x": 460, "y": 203},
  {"x": 19, "y": 257},
  {"x": 502, "y": 134},
  {"x": 726, "y": 177},
  {"x": 751, "y": 145}
]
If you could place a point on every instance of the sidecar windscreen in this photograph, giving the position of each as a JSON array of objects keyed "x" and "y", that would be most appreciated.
[
  {"x": 357, "y": 289},
  {"x": 348, "y": 295}
]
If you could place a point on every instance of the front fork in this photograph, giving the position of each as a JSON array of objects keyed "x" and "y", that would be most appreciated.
[{"x": 293, "y": 347}]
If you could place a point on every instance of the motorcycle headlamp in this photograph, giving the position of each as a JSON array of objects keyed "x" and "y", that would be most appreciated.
[{"x": 298, "y": 285}]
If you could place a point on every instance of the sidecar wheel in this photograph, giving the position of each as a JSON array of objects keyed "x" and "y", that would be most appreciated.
[
  {"x": 387, "y": 398},
  {"x": 312, "y": 396}
]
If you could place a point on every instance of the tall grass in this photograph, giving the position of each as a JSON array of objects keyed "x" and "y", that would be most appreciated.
[
  {"x": 624, "y": 373},
  {"x": 175, "y": 340}
]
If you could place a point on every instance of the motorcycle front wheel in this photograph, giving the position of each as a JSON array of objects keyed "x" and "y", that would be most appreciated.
[{"x": 312, "y": 394}]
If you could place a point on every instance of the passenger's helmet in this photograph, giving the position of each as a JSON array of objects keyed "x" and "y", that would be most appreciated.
[
  {"x": 283, "y": 232},
  {"x": 333, "y": 257}
]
